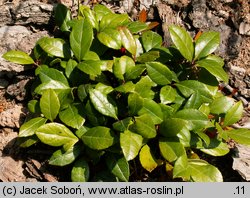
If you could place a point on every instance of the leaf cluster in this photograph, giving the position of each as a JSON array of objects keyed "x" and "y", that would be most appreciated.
[{"x": 108, "y": 92}]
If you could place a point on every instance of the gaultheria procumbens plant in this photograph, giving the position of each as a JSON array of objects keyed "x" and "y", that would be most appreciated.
[{"x": 108, "y": 92}]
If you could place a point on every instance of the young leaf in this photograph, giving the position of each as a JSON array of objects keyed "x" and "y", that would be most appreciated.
[
  {"x": 214, "y": 68},
  {"x": 242, "y": 136},
  {"x": 221, "y": 105},
  {"x": 55, "y": 134},
  {"x": 91, "y": 67},
  {"x": 89, "y": 16},
  {"x": 55, "y": 47},
  {"x": 80, "y": 171},
  {"x": 62, "y": 17},
  {"x": 29, "y": 128},
  {"x": 153, "y": 109},
  {"x": 49, "y": 104},
  {"x": 234, "y": 114},
  {"x": 131, "y": 144},
  {"x": 147, "y": 159},
  {"x": 171, "y": 149},
  {"x": 98, "y": 138},
  {"x": 167, "y": 94},
  {"x": 144, "y": 126},
  {"x": 63, "y": 158},
  {"x": 81, "y": 38},
  {"x": 151, "y": 40},
  {"x": 128, "y": 40},
  {"x": 110, "y": 38},
  {"x": 101, "y": 103},
  {"x": 118, "y": 166},
  {"x": 182, "y": 41},
  {"x": 206, "y": 44},
  {"x": 201, "y": 171},
  {"x": 72, "y": 117},
  {"x": 159, "y": 73},
  {"x": 18, "y": 57}
]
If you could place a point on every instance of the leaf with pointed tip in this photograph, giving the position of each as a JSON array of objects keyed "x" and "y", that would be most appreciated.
[
  {"x": 98, "y": 138},
  {"x": 101, "y": 103},
  {"x": 151, "y": 40},
  {"x": 206, "y": 44},
  {"x": 118, "y": 166},
  {"x": 128, "y": 41},
  {"x": 242, "y": 136},
  {"x": 172, "y": 126},
  {"x": 167, "y": 94},
  {"x": 101, "y": 11},
  {"x": 234, "y": 114},
  {"x": 110, "y": 38},
  {"x": 131, "y": 144},
  {"x": 91, "y": 67},
  {"x": 221, "y": 105},
  {"x": 112, "y": 20},
  {"x": 143, "y": 87},
  {"x": 80, "y": 171},
  {"x": 72, "y": 117},
  {"x": 71, "y": 64},
  {"x": 147, "y": 159},
  {"x": 50, "y": 104},
  {"x": 180, "y": 168},
  {"x": 135, "y": 103},
  {"x": 194, "y": 101},
  {"x": 63, "y": 158},
  {"x": 137, "y": 26},
  {"x": 89, "y": 16},
  {"x": 29, "y": 128},
  {"x": 81, "y": 38},
  {"x": 216, "y": 148},
  {"x": 182, "y": 41},
  {"x": 18, "y": 57},
  {"x": 122, "y": 65},
  {"x": 62, "y": 17},
  {"x": 148, "y": 57},
  {"x": 55, "y": 134},
  {"x": 135, "y": 72},
  {"x": 122, "y": 125},
  {"x": 55, "y": 47},
  {"x": 159, "y": 73}
]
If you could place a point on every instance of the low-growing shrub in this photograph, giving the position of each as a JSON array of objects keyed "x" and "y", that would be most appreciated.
[{"x": 107, "y": 92}]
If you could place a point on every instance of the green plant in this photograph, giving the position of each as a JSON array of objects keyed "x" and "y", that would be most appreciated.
[{"x": 108, "y": 91}]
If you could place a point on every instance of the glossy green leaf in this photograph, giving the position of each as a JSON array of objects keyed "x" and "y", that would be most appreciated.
[
  {"x": 55, "y": 85},
  {"x": 63, "y": 158},
  {"x": 98, "y": 138},
  {"x": 182, "y": 41},
  {"x": 72, "y": 117},
  {"x": 105, "y": 89},
  {"x": 55, "y": 134},
  {"x": 110, "y": 38},
  {"x": 29, "y": 128},
  {"x": 25, "y": 142},
  {"x": 118, "y": 166},
  {"x": 101, "y": 103},
  {"x": 18, "y": 57},
  {"x": 48, "y": 75},
  {"x": 34, "y": 106},
  {"x": 80, "y": 171},
  {"x": 101, "y": 11},
  {"x": 242, "y": 136},
  {"x": 151, "y": 40},
  {"x": 90, "y": 55},
  {"x": 144, "y": 126},
  {"x": 135, "y": 72},
  {"x": 62, "y": 17},
  {"x": 214, "y": 68},
  {"x": 180, "y": 168},
  {"x": 128, "y": 40},
  {"x": 221, "y": 105},
  {"x": 153, "y": 109},
  {"x": 196, "y": 119},
  {"x": 206, "y": 44},
  {"x": 172, "y": 126},
  {"x": 50, "y": 104},
  {"x": 201, "y": 171},
  {"x": 126, "y": 87},
  {"x": 71, "y": 64},
  {"x": 122, "y": 65},
  {"x": 135, "y": 103},
  {"x": 171, "y": 149},
  {"x": 216, "y": 148},
  {"x": 159, "y": 73},
  {"x": 55, "y": 47},
  {"x": 148, "y": 57},
  {"x": 194, "y": 101},
  {"x": 89, "y": 16},
  {"x": 122, "y": 125},
  {"x": 91, "y": 67},
  {"x": 131, "y": 144},
  {"x": 147, "y": 159},
  {"x": 143, "y": 87},
  {"x": 188, "y": 87},
  {"x": 81, "y": 38},
  {"x": 234, "y": 114},
  {"x": 111, "y": 20},
  {"x": 167, "y": 94},
  {"x": 137, "y": 26}
]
